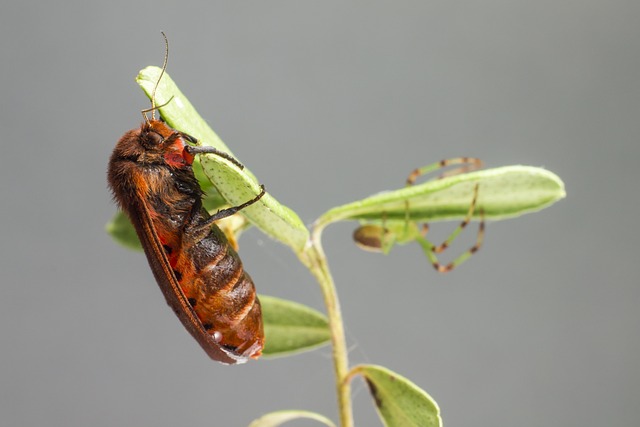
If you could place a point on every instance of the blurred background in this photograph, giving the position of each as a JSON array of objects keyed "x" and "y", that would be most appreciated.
[{"x": 328, "y": 102}]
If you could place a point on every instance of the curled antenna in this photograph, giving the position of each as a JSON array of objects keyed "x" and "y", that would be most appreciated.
[
  {"x": 153, "y": 94},
  {"x": 164, "y": 67}
]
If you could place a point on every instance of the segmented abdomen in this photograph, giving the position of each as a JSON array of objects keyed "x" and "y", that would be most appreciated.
[{"x": 222, "y": 294}]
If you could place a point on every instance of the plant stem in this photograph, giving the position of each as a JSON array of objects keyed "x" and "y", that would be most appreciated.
[{"x": 315, "y": 259}]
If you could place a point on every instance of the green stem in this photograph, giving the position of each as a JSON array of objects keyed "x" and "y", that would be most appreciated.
[{"x": 315, "y": 259}]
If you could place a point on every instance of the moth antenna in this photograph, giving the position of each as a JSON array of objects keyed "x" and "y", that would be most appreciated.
[
  {"x": 153, "y": 94},
  {"x": 157, "y": 107}
]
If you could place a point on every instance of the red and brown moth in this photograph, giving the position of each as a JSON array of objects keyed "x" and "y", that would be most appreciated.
[{"x": 200, "y": 274}]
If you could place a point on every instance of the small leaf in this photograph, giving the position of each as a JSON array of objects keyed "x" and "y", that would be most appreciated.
[
  {"x": 504, "y": 192},
  {"x": 275, "y": 419},
  {"x": 122, "y": 231},
  {"x": 291, "y": 327},
  {"x": 236, "y": 185},
  {"x": 399, "y": 402}
]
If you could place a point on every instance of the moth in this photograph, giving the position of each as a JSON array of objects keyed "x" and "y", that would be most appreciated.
[{"x": 201, "y": 276}]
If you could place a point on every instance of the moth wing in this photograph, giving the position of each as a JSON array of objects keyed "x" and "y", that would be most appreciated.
[{"x": 169, "y": 286}]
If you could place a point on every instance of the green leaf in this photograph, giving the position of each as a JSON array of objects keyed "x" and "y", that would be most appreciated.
[
  {"x": 236, "y": 185},
  {"x": 275, "y": 419},
  {"x": 504, "y": 192},
  {"x": 399, "y": 402},
  {"x": 271, "y": 217},
  {"x": 290, "y": 327},
  {"x": 122, "y": 231}
]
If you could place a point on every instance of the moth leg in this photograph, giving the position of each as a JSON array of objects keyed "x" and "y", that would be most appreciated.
[
  {"x": 188, "y": 137},
  {"x": 223, "y": 213},
  {"x": 204, "y": 226},
  {"x": 212, "y": 150}
]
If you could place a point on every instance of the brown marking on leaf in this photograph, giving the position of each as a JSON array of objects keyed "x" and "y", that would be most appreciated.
[{"x": 374, "y": 392}]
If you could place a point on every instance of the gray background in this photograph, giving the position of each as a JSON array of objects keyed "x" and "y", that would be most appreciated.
[{"x": 328, "y": 102}]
